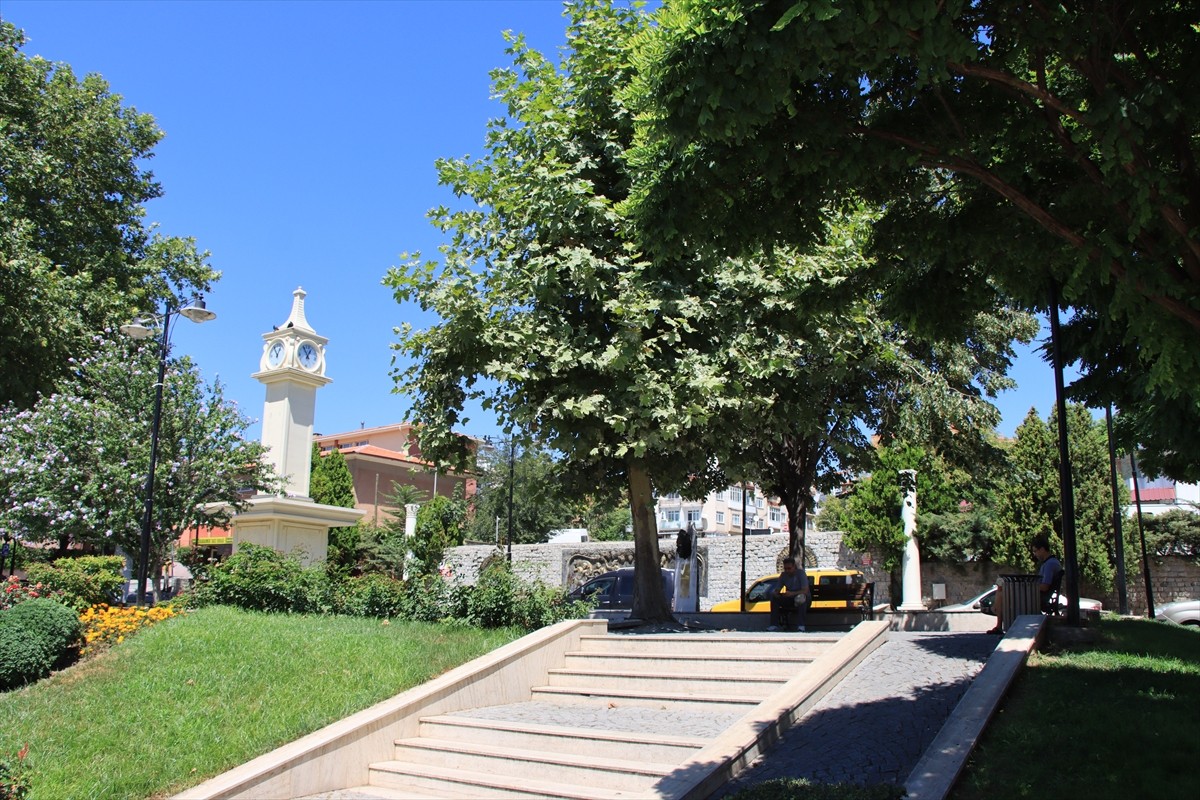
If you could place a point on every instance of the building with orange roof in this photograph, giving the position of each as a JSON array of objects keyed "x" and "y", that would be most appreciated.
[{"x": 388, "y": 455}]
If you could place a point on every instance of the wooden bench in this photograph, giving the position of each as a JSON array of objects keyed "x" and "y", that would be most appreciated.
[{"x": 859, "y": 596}]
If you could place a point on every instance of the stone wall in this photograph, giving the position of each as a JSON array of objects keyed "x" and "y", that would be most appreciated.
[
  {"x": 569, "y": 564},
  {"x": 1171, "y": 577}
]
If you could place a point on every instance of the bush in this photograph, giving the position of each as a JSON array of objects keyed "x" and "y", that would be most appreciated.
[
  {"x": 500, "y": 600},
  {"x": 23, "y": 658},
  {"x": 429, "y": 598},
  {"x": 14, "y": 779},
  {"x": 258, "y": 578},
  {"x": 372, "y": 596},
  {"x": 17, "y": 591},
  {"x": 34, "y": 636},
  {"x": 81, "y": 582},
  {"x": 49, "y": 620}
]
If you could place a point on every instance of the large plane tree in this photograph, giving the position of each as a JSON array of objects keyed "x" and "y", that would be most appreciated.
[
  {"x": 549, "y": 314},
  {"x": 1043, "y": 145}
]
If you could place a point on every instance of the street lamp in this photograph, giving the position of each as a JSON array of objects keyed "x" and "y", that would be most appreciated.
[
  {"x": 511, "y": 470},
  {"x": 142, "y": 328}
]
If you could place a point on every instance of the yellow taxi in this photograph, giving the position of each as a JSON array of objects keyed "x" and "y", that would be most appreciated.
[{"x": 758, "y": 598}]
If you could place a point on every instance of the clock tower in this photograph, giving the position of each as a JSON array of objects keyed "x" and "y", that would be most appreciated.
[{"x": 292, "y": 368}]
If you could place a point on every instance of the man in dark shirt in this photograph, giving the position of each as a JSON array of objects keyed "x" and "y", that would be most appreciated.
[{"x": 790, "y": 597}]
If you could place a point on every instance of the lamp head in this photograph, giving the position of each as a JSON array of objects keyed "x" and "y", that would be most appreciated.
[
  {"x": 140, "y": 328},
  {"x": 197, "y": 312}
]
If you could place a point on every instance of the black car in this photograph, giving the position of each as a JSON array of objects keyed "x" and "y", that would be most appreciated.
[{"x": 614, "y": 590}]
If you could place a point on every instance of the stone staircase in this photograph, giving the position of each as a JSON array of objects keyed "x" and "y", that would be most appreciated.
[
  {"x": 620, "y": 715},
  {"x": 568, "y": 711}
]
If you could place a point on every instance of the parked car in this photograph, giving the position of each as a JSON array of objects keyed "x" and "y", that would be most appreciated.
[
  {"x": 975, "y": 603},
  {"x": 1183, "y": 612},
  {"x": 613, "y": 591},
  {"x": 758, "y": 597},
  {"x": 985, "y": 602}
]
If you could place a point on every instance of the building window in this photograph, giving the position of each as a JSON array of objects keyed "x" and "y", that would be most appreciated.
[
  {"x": 672, "y": 516},
  {"x": 735, "y": 494},
  {"x": 735, "y": 519},
  {"x": 719, "y": 496},
  {"x": 720, "y": 517},
  {"x": 776, "y": 515},
  {"x": 693, "y": 516}
]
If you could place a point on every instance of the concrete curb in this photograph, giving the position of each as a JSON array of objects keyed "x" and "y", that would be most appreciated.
[{"x": 940, "y": 767}]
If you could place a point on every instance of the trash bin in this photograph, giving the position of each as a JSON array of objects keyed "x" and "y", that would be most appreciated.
[{"x": 1020, "y": 596}]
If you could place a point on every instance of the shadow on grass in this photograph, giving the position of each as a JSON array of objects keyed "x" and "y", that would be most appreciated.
[{"x": 1117, "y": 717}]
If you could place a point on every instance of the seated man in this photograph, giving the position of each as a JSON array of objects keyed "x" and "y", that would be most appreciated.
[
  {"x": 1049, "y": 571},
  {"x": 791, "y": 596}
]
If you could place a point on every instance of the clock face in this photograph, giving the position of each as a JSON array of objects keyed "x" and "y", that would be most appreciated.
[
  {"x": 275, "y": 354},
  {"x": 307, "y": 354}
]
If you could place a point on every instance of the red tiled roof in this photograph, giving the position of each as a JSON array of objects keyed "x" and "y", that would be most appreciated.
[
  {"x": 380, "y": 452},
  {"x": 1163, "y": 495}
]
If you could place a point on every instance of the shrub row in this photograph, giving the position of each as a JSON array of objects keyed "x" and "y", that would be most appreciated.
[
  {"x": 35, "y": 636},
  {"x": 260, "y": 579}
]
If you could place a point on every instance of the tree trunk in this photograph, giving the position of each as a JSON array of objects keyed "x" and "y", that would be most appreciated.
[
  {"x": 797, "y": 508},
  {"x": 649, "y": 601}
]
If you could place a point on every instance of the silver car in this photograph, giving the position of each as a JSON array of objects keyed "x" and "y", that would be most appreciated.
[
  {"x": 985, "y": 601},
  {"x": 1184, "y": 612}
]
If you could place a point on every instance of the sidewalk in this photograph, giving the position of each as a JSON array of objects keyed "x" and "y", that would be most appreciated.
[{"x": 875, "y": 726}]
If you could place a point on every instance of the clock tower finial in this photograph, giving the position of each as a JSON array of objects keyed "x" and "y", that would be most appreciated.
[{"x": 296, "y": 318}]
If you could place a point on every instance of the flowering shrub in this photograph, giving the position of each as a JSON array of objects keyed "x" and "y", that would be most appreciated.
[
  {"x": 16, "y": 591},
  {"x": 105, "y": 625},
  {"x": 14, "y": 782},
  {"x": 83, "y": 581}
]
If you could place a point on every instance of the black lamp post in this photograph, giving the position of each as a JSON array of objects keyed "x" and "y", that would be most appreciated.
[
  {"x": 512, "y": 451},
  {"x": 141, "y": 328},
  {"x": 512, "y": 462}
]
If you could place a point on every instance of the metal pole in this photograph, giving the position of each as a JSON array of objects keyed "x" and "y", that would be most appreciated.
[
  {"x": 1137, "y": 491},
  {"x": 743, "y": 592},
  {"x": 1066, "y": 491},
  {"x": 512, "y": 451},
  {"x": 148, "y": 510},
  {"x": 1122, "y": 592}
]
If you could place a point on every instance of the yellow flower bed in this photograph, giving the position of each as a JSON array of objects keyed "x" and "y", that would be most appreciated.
[{"x": 104, "y": 625}]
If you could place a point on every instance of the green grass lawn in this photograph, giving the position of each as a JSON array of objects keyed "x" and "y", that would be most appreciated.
[
  {"x": 196, "y": 695},
  {"x": 1114, "y": 718}
]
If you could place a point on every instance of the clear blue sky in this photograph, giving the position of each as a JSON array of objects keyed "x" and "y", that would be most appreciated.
[{"x": 299, "y": 149}]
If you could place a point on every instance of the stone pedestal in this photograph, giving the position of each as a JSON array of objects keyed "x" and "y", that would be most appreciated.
[{"x": 291, "y": 525}]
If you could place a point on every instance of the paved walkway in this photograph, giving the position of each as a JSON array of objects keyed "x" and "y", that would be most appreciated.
[
  {"x": 872, "y": 728},
  {"x": 875, "y": 725}
]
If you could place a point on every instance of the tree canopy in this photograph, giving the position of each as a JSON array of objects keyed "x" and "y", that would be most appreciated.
[
  {"x": 829, "y": 364},
  {"x": 541, "y": 500},
  {"x": 76, "y": 253},
  {"x": 1027, "y": 501},
  {"x": 1035, "y": 143}
]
